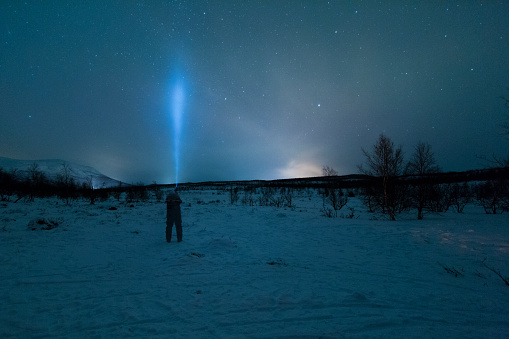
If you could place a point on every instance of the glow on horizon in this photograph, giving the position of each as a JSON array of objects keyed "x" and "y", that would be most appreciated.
[
  {"x": 177, "y": 111},
  {"x": 295, "y": 169}
]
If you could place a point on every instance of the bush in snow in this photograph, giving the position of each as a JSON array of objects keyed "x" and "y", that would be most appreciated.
[
  {"x": 493, "y": 196},
  {"x": 158, "y": 192},
  {"x": 42, "y": 224},
  {"x": 234, "y": 195},
  {"x": 333, "y": 201},
  {"x": 460, "y": 195},
  {"x": 248, "y": 198},
  {"x": 440, "y": 198},
  {"x": 8, "y": 182}
]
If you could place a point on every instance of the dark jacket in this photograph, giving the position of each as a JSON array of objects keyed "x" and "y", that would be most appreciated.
[{"x": 173, "y": 200}]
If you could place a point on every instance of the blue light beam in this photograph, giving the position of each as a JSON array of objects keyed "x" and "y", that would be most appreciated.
[{"x": 177, "y": 111}]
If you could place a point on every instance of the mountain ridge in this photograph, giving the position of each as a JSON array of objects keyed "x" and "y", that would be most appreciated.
[{"x": 53, "y": 167}]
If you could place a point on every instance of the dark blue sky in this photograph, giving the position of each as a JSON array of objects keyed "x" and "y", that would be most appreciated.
[{"x": 272, "y": 89}]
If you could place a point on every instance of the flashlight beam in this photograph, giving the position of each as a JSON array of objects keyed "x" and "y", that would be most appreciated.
[{"x": 177, "y": 111}]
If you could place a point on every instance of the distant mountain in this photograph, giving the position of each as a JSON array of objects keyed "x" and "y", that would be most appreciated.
[{"x": 51, "y": 168}]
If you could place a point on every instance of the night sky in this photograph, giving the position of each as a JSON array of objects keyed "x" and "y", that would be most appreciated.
[{"x": 269, "y": 89}]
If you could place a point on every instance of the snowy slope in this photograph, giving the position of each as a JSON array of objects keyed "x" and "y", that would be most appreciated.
[
  {"x": 53, "y": 167},
  {"x": 245, "y": 271}
]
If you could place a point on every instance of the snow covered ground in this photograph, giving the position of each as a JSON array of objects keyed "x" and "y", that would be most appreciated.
[{"x": 249, "y": 271}]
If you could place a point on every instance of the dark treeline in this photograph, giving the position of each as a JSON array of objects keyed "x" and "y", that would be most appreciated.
[
  {"x": 36, "y": 184},
  {"x": 398, "y": 186},
  {"x": 391, "y": 195},
  {"x": 353, "y": 180},
  {"x": 426, "y": 193},
  {"x": 33, "y": 183}
]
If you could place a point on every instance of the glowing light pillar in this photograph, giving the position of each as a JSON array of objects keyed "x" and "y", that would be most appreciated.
[{"x": 177, "y": 110}]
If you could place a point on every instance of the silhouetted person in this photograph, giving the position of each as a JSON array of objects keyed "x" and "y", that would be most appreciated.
[{"x": 173, "y": 215}]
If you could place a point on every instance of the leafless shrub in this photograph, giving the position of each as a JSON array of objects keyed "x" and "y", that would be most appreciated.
[
  {"x": 460, "y": 195},
  {"x": 493, "y": 196},
  {"x": 329, "y": 171},
  {"x": 234, "y": 195},
  {"x": 333, "y": 201},
  {"x": 248, "y": 198},
  {"x": 267, "y": 196}
]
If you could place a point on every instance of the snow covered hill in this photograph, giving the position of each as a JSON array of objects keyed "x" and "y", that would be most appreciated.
[{"x": 52, "y": 167}]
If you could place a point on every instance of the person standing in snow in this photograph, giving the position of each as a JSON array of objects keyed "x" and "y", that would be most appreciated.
[{"x": 173, "y": 215}]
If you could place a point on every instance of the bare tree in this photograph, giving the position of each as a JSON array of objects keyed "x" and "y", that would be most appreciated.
[
  {"x": 385, "y": 162},
  {"x": 88, "y": 189},
  {"x": 158, "y": 192},
  {"x": 35, "y": 181},
  {"x": 329, "y": 171},
  {"x": 336, "y": 199},
  {"x": 66, "y": 182},
  {"x": 34, "y": 172},
  {"x": 422, "y": 163},
  {"x": 497, "y": 160},
  {"x": 493, "y": 195},
  {"x": 460, "y": 195}
]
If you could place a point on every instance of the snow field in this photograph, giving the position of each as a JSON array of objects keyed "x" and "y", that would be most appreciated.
[{"x": 250, "y": 271}]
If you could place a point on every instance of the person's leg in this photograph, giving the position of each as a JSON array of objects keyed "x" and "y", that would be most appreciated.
[
  {"x": 178, "y": 226},
  {"x": 168, "y": 232}
]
